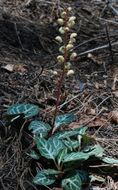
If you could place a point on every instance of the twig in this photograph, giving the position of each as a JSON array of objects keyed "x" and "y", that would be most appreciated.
[
  {"x": 104, "y": 100},
  {"x": 110, "y": 47},
  {"x": 113, "y": 9},
  {"x": 97, "y": 48},
  {"x": 3, "y": 186},
  {"x": 107, "y": 20},
  {"x": 103, "y": 165},
  {"x": 31, "y": 185},
  {"x": 17, "y": 33},
  {"x": 66, "y": 102},
  {"x": 93, "y": 118}
]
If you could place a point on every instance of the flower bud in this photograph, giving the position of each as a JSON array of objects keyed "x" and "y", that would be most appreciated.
[
  {"x": 89, "y": 55},
  {"x": 73, "y": 35},
  {"x": 72, "y": 18},
  {"x": 69, "y": 8},
  {"x": 68, "y": 65},
  {"x": 72, "y": 40},
  {"x": 59, "y": 39},
  {"x": 71, "y": 24},
  {"x": 60, "y": 59},
  {"x": 63, "y": 14},
  {"x": 66, "y": 29},
  {"x": 60, "y": 21},
  {"x": 62, "y": 49},
  {"x": 54, "y": 73},
  {"x": 70, "y": 72},
  {"x": 73, "y": 56},
  {"x": 61, "y": 30},
  {"x": 69, "y": 46}
]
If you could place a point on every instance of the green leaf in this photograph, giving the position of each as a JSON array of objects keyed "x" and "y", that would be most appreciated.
[
  {"x": 75, "y": 181},
  {"x": 82, "y": 130},
  {"x": 75, "y": 156},
  {"x": 39, "y": 127},
  {"x": 109, "y": 160},
  {"x": 28, "y": 110},
  {"x": 81, "y": 133},
  {"x": 71, "y": 144},
  {"x": 70, "y": 133},
  {"x": 46, "y": 177},
  {"x": 33, "y": 155},
  {"x": 49, "y": 148},
  {"x": 64, "y": 119},
  {"x": 61, "y": 155},
  {"x": 96, "y": 151},
  {"x": 83, "y": 175}
]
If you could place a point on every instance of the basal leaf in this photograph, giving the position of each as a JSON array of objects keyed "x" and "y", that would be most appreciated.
[
  {"x": 75, "y": 156},
  {"x": 109, "y": 160},
  {"x": 61, "y": 155},
  {"x": 71, "y": 144},
  {"x": 49, "y": 148},
  {"x": 75, "y": 181},
  {"x": 96, "y": 151},
  {"x": 82, "y": 130},
  {"x": 39, "y": 127},
  {"x": 28, "y": 110},
  {"x": 57, "y": 144},
  {"x": 83, "y": 175},
  {"x": 46, "y": 177},
  {"x": 81, "y": 133},
  {"x": 70, "y": 133},
  {"x": 64, "y": 119},
  {"x": 34, "y": 155}
]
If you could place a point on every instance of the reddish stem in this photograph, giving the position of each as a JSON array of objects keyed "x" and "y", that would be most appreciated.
[{"x": 61, "y": 80}]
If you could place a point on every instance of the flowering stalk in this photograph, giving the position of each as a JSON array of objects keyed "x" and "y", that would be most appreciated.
[{"x": 66, "y": 24}]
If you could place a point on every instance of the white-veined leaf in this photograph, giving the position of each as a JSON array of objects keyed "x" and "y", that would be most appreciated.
[
  {"x": 28, "y": 110},
  {"x": 39, "y": 127},
  {"x": 109, "y": 160},
  {"x": 96, "y": 151},
  {"x": 49, "y": 148},
  {"x": 64, "y": 119},
  {"x": 75, "y": 156},
  {"x": 61, "y": 155},
  {"x": 81, "y": 133},
  {"x": 70, "y": 133},
  {"x": 46, "y": 177},
  {"x": 75, "y": 181},
  {"x": 71, "y": 144}
]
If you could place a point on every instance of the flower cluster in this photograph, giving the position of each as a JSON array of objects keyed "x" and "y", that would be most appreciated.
[{"x": 67, "y": 38}]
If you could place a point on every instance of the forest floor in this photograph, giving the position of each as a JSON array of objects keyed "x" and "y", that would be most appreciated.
[{"x": 28, "y": 52}]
